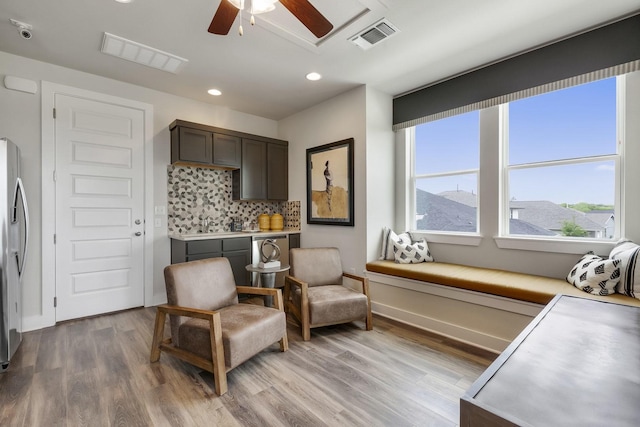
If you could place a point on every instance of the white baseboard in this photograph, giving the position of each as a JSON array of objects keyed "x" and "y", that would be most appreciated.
[
  {"x": 458, "y": 333},
  {"x": 484, "y": 336},
  {"x": 33, "y": 323},
  {"x": 158, "y": 299}
]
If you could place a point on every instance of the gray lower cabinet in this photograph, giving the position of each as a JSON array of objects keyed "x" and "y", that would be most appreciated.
[
  {"x": 236, "y": 250},
  {"x": 294, "y": 241}
]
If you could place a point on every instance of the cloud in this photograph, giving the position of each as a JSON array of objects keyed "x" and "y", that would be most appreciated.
[{"x": 606, "y": 168}]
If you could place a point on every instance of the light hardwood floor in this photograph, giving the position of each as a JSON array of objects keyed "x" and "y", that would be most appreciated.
[{"x": 96, "y": 372}]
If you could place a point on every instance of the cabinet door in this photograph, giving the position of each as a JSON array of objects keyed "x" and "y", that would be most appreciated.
[
  {"x": 253, "y": 182},
  {"x": 294, "y": 241},
  {"x": 227, "y": 150},
  {"x": 277, "y": 172},
  {"x": 239, "y": 261},
  {"x": 195, "y": 146}
]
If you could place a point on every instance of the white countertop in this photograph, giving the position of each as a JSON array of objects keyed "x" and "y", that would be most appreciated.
[{"x": 230, "y": 234}]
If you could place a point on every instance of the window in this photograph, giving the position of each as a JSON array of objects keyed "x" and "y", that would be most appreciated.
[
  {"x": 446, "y": 162},
  {"x": 552, "y": 164},
  {"x": 562, "y": 165}
]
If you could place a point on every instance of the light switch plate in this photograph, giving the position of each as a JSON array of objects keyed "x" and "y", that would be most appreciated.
[
  {"x": 160, "y": 210},
  {"x": 158, "y": 222}
]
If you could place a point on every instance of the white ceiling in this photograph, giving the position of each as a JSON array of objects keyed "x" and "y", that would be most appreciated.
[{"x": 263, "y": 72}]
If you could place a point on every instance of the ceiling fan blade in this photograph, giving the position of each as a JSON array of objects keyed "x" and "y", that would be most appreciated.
[
  {"x": 223, "y": 19},
  {"x": 309, "y": 16}
]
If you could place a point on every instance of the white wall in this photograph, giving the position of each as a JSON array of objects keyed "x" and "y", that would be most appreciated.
[
  {"x": 20, "y": 121},
  {"x": 364, "y": 115},
  {"x": 380, "y": 169}
]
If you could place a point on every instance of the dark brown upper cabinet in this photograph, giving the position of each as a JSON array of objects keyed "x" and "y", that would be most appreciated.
[
  {"x": 260, "y": 164},
  {"x": 277, "y": 172},
  {"x": 202, "y": 145},
  {"x": 264, "y": 171}
]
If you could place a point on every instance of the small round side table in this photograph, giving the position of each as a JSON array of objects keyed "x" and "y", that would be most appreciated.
[{"x": 267, "y": 278}]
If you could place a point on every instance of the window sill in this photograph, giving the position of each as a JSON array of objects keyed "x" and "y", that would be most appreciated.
[
  {"x": 449, "y": 238},
  {"x": 564, "y": 246}
]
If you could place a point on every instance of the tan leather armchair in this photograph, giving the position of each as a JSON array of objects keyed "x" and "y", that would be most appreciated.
[
  {"x": 209, "y": 327},
  {"x": 314, "y": 293}
]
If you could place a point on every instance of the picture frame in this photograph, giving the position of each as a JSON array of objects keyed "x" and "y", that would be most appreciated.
[{"x": 330, "y": 184}]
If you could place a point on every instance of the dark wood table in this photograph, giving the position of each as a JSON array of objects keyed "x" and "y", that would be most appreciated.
[{"x": 576, "y": 364}]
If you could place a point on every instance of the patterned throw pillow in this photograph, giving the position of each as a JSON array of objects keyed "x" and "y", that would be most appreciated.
[
  {"x": 629, "y": 255},
  {"x": 388, "y": 239},
  {"x": 595, "y": 275},
  {"x": 407, "y": 253}
]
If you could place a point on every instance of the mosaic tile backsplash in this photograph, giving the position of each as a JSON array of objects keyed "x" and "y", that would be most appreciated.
[{"x": 195, "y": 194}]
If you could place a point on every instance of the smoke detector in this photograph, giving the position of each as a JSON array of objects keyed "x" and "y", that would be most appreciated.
[
  {"x": 374, "y": 34},
  {"x": 23, "y": 28}
]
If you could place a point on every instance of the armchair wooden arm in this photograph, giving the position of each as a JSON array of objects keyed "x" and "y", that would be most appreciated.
[
  {"x": 216, "y": 365},
  {"x": 301, "y": 312},
  {"x": 365, "y": 290},
  {"x": 275, "y": 293}
]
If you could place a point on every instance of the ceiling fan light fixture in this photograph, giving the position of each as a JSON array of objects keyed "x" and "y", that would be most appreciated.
[
  {"x": 262, "y": 6},
  {"x": 257, "y": 6}
]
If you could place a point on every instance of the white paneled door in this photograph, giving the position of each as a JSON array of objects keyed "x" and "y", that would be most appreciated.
[{"x": 99, "y": 181}]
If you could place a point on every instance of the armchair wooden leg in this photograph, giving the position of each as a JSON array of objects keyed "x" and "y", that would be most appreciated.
[
  {"x": 284, "y": 343},
  {"x": 158, "y": 334},
  {"x": 217, "y": 355},
  {"x": 306, "y": 332},
  {"x": 369, "y": 321}
]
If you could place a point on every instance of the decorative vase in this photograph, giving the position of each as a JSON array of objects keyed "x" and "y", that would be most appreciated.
[
  {"x": 277, "y": 222},
  {"x": 263, "y": 222}
]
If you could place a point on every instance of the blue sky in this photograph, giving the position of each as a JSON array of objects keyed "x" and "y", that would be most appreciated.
[{"x": 574, "y": 122}]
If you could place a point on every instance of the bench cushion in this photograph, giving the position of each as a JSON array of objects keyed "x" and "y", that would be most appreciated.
[{"x": 519, "y": 286}]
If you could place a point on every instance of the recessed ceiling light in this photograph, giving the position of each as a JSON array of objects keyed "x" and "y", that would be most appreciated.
[
  {"x": 124, "y": 1},
  {"x": 313, "y": 76},
  {"x": 214, "y": 92}
]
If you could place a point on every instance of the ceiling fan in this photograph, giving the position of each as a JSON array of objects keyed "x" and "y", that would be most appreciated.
[{"x": 301, "y": 9}]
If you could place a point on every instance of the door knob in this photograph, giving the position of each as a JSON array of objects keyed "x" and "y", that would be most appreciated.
[
  {"x": 137, "y": 222},
  {"x": 138, "y": 233}
]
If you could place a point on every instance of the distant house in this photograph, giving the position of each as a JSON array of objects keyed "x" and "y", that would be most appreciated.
[
  {"x": 457, "y": 211},
  {"x": 550, "y": 216},
  {"x": 439, "y": 213},
  {"x": 606, "y": 219}
]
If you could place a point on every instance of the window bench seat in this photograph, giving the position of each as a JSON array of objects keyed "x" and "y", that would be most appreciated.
[
  {"x": 519, "y": 286},
  {"x": 481, "y": 306}
]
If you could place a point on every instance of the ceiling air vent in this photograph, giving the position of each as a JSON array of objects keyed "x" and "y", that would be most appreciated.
[
  {"x": 145, "y": 55},
  {"x": 374, "y": 34}
]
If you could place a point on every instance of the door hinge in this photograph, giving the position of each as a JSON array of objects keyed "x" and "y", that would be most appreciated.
[
  {"x": 54, "y": 239},
  {"x": 55, "y": 176},
  {"x": 55, "y": 301},
  {"x": 54, "y": 113}
]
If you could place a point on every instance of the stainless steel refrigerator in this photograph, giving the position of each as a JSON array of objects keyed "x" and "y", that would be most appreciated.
[{"x": 14, "y": 235}]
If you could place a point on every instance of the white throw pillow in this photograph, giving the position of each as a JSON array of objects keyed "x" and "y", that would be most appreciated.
[
  {"x": 629, "y": 255},
  {"x": 388, "y": 239},
  {"x": 595, "y": 275},
  {"x": 412, "y": 253}
]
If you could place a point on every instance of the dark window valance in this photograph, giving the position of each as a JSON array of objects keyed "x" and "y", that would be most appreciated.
[{"x": 609, "y": 50}]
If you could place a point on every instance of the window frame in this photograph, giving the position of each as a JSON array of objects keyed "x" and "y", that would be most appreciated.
[
  {"x": 557, "y": 244},
  {"x": 562, "y": 244},
  {"x": 459, "y": 237}
]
